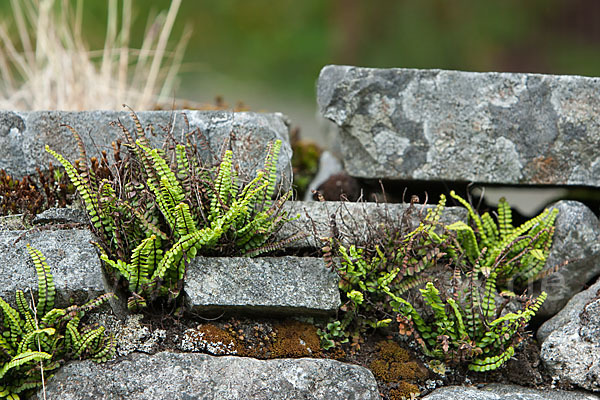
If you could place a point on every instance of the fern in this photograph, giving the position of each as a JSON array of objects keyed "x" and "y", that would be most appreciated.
[
  {"x": 518, "y": 254},
  {"x": 159, "y": 208},
  {"x": 491, "y": 339},
  {"x": 45, "y": 338},
  {"x": 387, "y": 270}
]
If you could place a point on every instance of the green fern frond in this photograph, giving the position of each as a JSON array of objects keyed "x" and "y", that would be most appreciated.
[
  {"x": 491, "y": 363},
  {"x": 475, "y": 218},
  {"x": 12, "y": 322},
  {"x": 46, "y": 288},
  {"x": 89, "y": 199},
  {"x": 467, "y": 237},
  {"x": 504, "y": 218},
  {"x": 25, "y": 311},
  {"x": 23, "y": 358},
  {"x": 28, "y": 340}
]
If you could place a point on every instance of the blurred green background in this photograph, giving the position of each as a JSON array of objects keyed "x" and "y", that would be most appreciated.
[{"x": 268, "y": 54}]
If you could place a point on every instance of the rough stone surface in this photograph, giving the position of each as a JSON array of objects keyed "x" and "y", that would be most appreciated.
[
  {"x": 569, "y": 313},
  {"x": 355, "y": 221},
  {"x": 12, "y": 222},
  {"x": 505, "y": 392},
  {"x": 72, "y": 260},
  {"x": 187, "y": 376},
  {"x": 571, "y": 352},
  {"x": 23, "y": 135},
  {"x": 500, "y": 128},
  {"x": 576, "y": 240},
  {"x": 61, "y": 216},
  {"x": 284, "y": 285}
]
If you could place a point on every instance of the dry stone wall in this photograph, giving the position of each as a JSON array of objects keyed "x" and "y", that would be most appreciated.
[{"x": 396, "y": 124}]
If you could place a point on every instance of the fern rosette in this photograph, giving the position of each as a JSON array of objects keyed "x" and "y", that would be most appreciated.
[
  {"x": 157, "y": 209},
  {"x": 35, "y": 340}
]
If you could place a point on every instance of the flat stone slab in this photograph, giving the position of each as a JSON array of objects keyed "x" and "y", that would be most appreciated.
[
  {"x": 502, "y": 128},
  {"x": 188, "y": 376},
  {"x": 505, "y": 392},
  {"x": 266, "y": 285},
  {"x": 72, "y": 260},
  {"x": 571, "y": 350},
  {"x": 23, "y": 135},
  {"x": 354, "y": 220}
]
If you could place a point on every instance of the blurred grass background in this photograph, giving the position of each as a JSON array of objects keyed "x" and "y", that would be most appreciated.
[{"x": 268, "y": 54}]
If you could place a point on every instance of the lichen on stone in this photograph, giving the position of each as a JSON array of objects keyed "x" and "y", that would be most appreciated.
[{"x": 210, "y": 339}]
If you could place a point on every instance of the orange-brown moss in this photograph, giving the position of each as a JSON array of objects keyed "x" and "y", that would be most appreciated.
[
  {"x": 296, "y": 339},
  {"x": 405, "y": 390},
  {"x": 392, "y": 351},
  {"x": 395, "y": 366}
]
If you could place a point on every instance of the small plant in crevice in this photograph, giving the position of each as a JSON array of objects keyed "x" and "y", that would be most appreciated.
[
  {"x": 34, "y": 193},
  {"x": 522, "y": 250},
  {"x": 37, "y": 339},
  {"x": 396, "y": 263},
  {"x": 466, "y": 326},
  {"x": 461, "y": 319},
  {"x": 154, "y": 210},
  {"x": 305, "y": 161}
]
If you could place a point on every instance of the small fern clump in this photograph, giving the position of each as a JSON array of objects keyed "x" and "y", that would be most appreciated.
[
  {"x": 155, "y": 209},
  {"x": 459, "y": 321},
  {"x": 466, "y": 327},
  {"x": 35, "y": 340},
  {"x": 397, "y": 263},
  {"x": 522, "y": 251}
]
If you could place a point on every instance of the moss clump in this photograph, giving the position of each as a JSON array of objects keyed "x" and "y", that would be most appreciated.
[
  {"x": 305, "y": 162},
  {"x": 396, "y": 367},
  {"x": 33, "y": 194},
  {"x": 296, "y": 339},
  {"x": 393, "y": 352},
  {"x": 404, "y": 391}
]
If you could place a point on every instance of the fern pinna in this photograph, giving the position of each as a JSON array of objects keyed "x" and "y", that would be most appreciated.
[
  {"x": 42, "y": 337},
  {"x": 522, "y": 251},
  {"x": 157, "y": 208}
]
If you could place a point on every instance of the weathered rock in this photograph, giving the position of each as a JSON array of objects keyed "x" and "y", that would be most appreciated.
[
  {"x": 188, "y": 376},
  {"x": 576, "y": 240},
  {"x": 505, "y": 392},
  {"x": 355, "y": 221},
  {"x": 132, "y": 336},
  {"x": 72, "y": 260},
  {"x": 12, "y": 222},
  {"x": 439, "y": 125},
  {"x": 569, "y": 313},
  {"x": 23, "y": 135},
  {"x": 280, "y": 285},
  {"x": 571, "y": 352},
  {"x": 61, "y": 216}
]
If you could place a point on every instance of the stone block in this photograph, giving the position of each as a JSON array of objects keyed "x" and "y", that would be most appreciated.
[
  {"x": 23, "y": 135},
  {"x": 265, "y": 285},
  {"x": 500, "y": 128},
  {"x": 73, "y": 262},
  {"x": 505, "y": 392},
  {"x": 189, "y": 376}
]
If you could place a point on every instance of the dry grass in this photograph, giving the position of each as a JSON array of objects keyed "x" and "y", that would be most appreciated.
[{"x": 45, "y": 63}]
